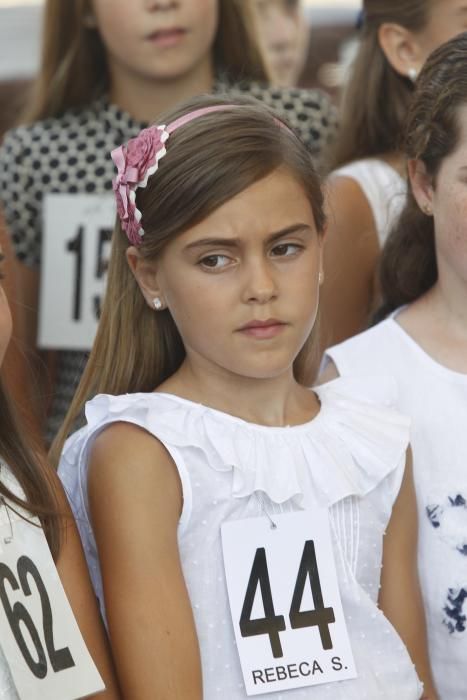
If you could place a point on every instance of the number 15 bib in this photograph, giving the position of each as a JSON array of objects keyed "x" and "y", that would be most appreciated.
[{"x": 285, "y": 602}]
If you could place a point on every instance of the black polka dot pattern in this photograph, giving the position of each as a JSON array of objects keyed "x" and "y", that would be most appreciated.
[{"x": 71, "y": 155}]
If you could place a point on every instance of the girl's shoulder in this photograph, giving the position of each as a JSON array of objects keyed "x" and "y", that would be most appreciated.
[
  {"x": 355, "y": 442},
  {"x": 73, "y": 121},
  {"x": 383, "y": 348}
]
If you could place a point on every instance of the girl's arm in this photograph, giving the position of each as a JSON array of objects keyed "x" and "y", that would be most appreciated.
[
  {"x": 135, "y": 501},
  {"x": 351, "y": 251},
  {"x": 400, "y": 598},
  {"x": 73, "y": 572}
]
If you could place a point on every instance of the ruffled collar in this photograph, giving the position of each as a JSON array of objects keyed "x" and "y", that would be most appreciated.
[{"x": 348, "y": 449}]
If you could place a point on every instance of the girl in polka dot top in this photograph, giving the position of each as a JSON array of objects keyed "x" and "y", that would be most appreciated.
[
  {"x": 245, "y": 535},
  {"x": 106, "y": 72}
]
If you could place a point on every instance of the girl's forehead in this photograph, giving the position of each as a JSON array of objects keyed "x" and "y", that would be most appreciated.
[{"x": 272, "y": 204}]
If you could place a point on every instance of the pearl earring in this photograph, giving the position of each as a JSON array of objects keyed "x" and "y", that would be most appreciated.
[
  {"x": 427, "y": 209},
  {"x": 157, "y": 304},
  {"x": 412, "y": 74}
]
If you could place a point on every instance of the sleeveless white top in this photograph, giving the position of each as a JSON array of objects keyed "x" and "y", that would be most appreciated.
[
  {"x": 350, "y": 458},
  {"x": 383, "y": 187},
  {"x": 435, "y": 398}
]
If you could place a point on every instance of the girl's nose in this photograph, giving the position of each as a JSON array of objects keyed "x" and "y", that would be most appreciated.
[
  {"x": 164, "y": 5},
  {"x": 260, "y": 286}
]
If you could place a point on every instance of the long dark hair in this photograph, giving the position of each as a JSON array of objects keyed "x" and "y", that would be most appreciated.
[
  {"x": 195, "y": 177},
  {"x": 376, "y": 98},
  {"x": 408, "y": 266},
  {"x": 30, "y": 471}
]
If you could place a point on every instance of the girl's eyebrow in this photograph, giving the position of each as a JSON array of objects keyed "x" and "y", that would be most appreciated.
[{"x": 234, "y": 242}]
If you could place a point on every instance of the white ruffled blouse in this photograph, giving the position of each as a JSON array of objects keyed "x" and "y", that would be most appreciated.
[{"x": 350, "y": 458}]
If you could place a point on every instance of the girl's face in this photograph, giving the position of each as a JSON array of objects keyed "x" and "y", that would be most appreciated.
[
  {"x": 156, "y": 39},
  {"x": 447, "y": 200},
  {"x": 283, "y": 31},
  {"x": 243, "y": 285},
  {"x": 5, "y": 316},
  {"x": 449, "y": 204},
  {"x": 447, "y": 19}
]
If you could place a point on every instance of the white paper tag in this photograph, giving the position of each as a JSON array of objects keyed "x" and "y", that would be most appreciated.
[
  {"x": 40, "y": 637},
  {"x": 285, "y": 602},
  {"x": 75, "y": 255}
]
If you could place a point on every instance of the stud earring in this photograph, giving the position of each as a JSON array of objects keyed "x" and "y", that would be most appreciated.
[
  {"x": 427, "y": 209},
  {"x": 157, "y": 304},
  {"x": 412, "y": 74}
]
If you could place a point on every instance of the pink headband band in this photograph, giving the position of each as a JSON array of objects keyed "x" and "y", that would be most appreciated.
[{"x": 139, "y": 159}]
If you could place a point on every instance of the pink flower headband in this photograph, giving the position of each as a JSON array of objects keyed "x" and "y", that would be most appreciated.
[{"x": 138, "y": 160}]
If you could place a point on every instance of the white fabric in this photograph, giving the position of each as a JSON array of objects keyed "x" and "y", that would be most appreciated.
[
  {"x": 383, "y": 187},
  {"x": 350, "y": 457},
  {"x": 436, "y": 400}
]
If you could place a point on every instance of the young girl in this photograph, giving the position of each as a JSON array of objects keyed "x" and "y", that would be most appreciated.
[
  {"x": 423, "y": 343},
  {"x": 368, "y": 187},
  {"x": 108, "y": 68},
  {"x": 31, "y": 495},
  {"x": 201, "y": 422}
]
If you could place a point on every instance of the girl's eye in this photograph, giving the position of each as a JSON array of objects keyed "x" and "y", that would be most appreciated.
[
  {"x": 285, "y": 249},
  {"x": 214, "y": 262}
]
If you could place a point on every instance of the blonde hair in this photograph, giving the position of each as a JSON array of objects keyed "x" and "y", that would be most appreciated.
[
  {"x": 73, "y": 69},
  {"x": 376, "y": 98},
  {"x": 195, "y": 177}
]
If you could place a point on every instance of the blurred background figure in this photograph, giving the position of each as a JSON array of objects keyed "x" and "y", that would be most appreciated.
[
  {"x": 284, "y": 34},
  {"x": 368, "y": 187}
]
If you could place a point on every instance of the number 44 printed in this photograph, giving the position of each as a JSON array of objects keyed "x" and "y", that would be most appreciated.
[{"x": 285, "y": 602}]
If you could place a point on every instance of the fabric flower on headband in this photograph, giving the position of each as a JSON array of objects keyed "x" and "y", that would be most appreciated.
[
  {"x": 140, "y": 158},
  {"x": 135, "y": 162}
]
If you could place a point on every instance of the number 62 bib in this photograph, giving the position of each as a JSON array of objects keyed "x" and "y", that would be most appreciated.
[
  {"x": 285, "y": 602},
  {"x": 40, "y": 637}
]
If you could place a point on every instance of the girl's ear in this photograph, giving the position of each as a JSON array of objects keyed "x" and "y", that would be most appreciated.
[
  {"x": 145, "y": 273},
  {"x": 401, "y": 48},
  {"x": 422, "y": 185}
]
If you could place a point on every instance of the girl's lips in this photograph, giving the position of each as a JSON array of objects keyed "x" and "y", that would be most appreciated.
[
  {"x": 167, "y": 37},
  {"x": 263, "y": 329}
]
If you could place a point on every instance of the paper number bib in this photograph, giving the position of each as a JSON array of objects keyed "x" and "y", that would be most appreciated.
[
  {"x": 40, "y": 638},
  {"x": 75, "y": 255},
  {"x": 285, "y": 602}
]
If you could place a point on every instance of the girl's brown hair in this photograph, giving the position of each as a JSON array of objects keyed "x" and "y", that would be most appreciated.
[
  {"x": 376, "y": 98},
  {"x": 408, "y": 266},
  {"x": 30, "y": 472},
  {"x": 208, "y": 161},
  {"x": 74, "y": 72}
]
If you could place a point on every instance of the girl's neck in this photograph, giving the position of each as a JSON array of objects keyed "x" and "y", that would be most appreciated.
[
  {"x": 278, "y": 401},
  {"x": 145, "y": 99},
  {"x": 438, "y": 323}
]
